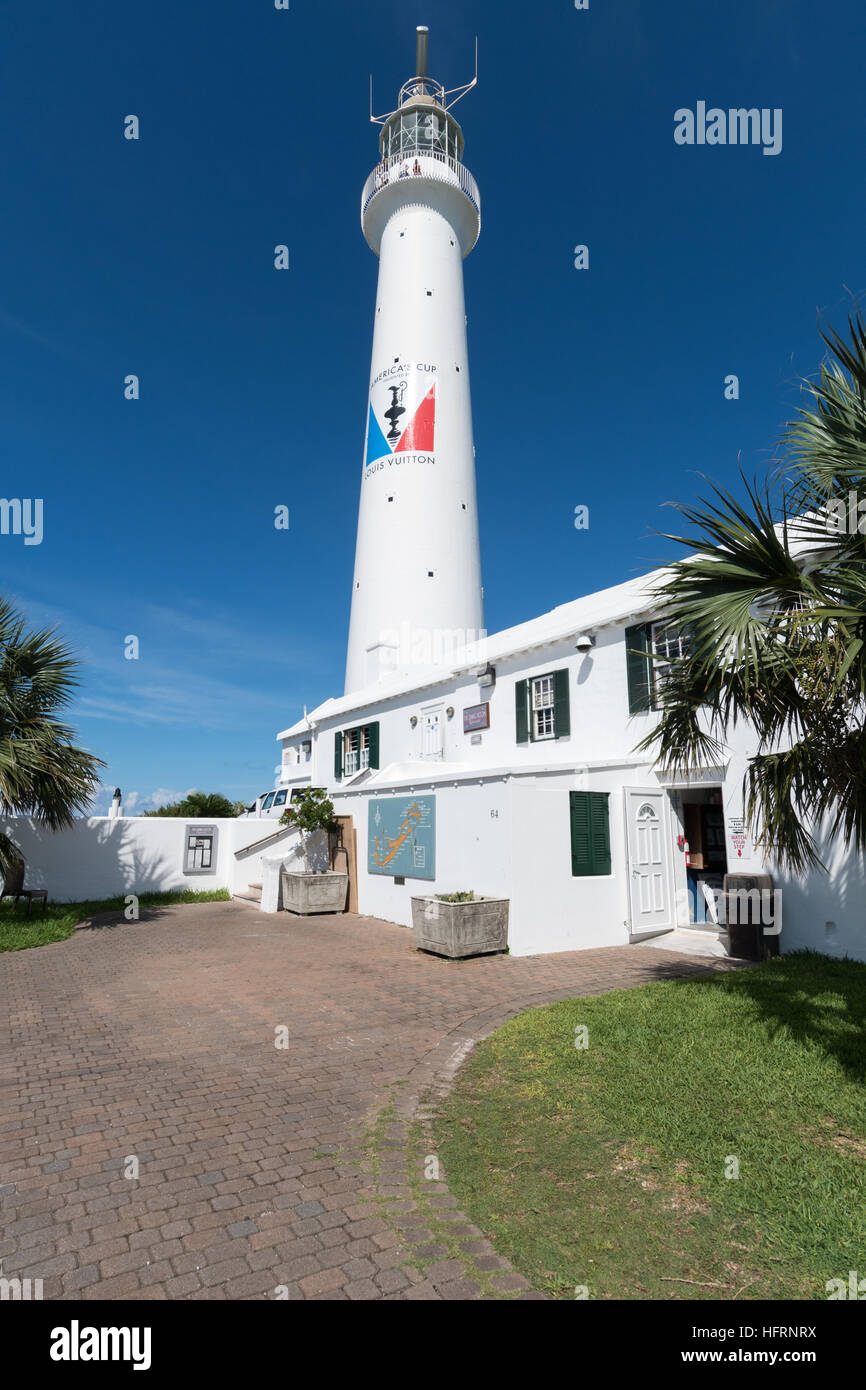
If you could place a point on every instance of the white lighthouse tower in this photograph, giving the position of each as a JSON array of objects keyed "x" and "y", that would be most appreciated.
[{"x": 416, "y": 592}]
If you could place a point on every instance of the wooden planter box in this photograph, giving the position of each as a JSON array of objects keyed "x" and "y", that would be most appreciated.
[
  {"x": 306, "y": 893},
  {"x": 460, "y": 929}
]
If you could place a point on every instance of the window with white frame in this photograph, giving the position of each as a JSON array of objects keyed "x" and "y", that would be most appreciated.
[
  {"x": 356, "y": 751},
  {"x": 669, "y": 644},
  {"x": 543, "y": 702}
]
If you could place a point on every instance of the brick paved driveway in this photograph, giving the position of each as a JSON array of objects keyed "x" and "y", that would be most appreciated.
[{"x": 258, "y": 1167}]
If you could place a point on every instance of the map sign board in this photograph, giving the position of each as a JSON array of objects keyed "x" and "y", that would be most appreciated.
[{"x": 401, "y": 836}]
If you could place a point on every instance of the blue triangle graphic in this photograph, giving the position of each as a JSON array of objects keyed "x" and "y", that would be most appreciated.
[{"x": 377, "y": 444}]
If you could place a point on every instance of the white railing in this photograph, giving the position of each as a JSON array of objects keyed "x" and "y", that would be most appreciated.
[{"x": 433, "y": 165}]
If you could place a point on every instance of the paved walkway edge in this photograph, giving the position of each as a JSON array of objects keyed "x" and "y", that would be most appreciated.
[{"x": 484, "y": 1273}]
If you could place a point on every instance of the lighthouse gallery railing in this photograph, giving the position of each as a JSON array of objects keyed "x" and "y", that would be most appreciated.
[{"x": 435, "y": 166}]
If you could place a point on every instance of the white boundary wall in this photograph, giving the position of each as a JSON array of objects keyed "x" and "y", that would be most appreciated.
[{"x": 104, "y": 857}]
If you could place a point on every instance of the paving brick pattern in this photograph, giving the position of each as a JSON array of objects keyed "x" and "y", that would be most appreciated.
[{"x": 257, "y": 1176}]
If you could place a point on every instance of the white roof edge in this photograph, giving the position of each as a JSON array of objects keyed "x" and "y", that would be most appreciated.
[
  {"x": 307, "y": 723},
  {"x": 603, "y": 608},
  {"x": 419, "y": 774}
]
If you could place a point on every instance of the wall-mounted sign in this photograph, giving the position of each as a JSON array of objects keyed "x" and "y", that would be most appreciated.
[
  {"x": 200, "y": 849},
  {"x": 739, "y": 836},
  {"x": 401, "y": 836},
  {"x": 476, "y": 717}
]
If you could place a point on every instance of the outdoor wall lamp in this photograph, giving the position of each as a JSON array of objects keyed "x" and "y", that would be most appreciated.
[
  {"x": 450, "y": 711},
  {"x": 413, "y": 720},
  {"x": 585, "y": 642},
  {"x": 486, "y": 675}
]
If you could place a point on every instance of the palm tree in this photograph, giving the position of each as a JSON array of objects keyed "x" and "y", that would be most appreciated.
[
  {"x": 42, "y": 772},
  {"x": 774, "y": 603}
]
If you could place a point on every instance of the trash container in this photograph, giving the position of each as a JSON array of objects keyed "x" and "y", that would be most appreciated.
[{"x": 751, "y": 915}]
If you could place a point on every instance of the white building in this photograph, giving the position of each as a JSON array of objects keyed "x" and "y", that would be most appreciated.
[
  {"x": 505, "y": 765},
  {"x": 538, "y": 795}
]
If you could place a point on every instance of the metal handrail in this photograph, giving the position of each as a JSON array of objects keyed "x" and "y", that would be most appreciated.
[
  {"x": 382, "y": 171},
  {"x": 267, "y": 840}
]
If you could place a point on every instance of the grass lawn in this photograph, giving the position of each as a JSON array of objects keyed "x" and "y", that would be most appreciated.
[
  {"x": 58, "y": 920},
  {"x": 606, "y": 1167}
]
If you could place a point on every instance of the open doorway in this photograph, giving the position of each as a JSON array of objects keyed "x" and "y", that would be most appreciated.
[{"x": 701, "y": 815}]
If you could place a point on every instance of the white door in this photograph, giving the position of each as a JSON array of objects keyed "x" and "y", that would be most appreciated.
[
  {"x": 431, "y": 733},
  {"x": 649, "y": 873}
]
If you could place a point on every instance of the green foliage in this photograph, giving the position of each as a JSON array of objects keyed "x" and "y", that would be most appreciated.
[
  {"x": 602, "y": 1157},
  {"x": 468, "y": 897},
  {"x": 312, "y": 811},
  {"x": 200, "y": 806},
  {"x": 774, "y": 599},
  {"x": 42, "y": 773}
]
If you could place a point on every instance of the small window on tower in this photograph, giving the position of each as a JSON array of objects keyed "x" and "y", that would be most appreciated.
[
  {"x": 390, "y": 499},
  {"x": 429, "y": 574},
  {"x": 429, "y": 294}
]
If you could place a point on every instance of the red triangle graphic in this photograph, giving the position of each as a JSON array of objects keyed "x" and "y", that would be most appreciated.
[{"x": 419, "y": 432}]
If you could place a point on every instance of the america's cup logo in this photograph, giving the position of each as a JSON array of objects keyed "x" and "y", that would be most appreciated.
[
  {"x": 402, "y": 416},
  {"x": 396, "y": 410}
]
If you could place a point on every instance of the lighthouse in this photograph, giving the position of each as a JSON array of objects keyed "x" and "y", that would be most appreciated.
[{"x": 416, "y": 590}]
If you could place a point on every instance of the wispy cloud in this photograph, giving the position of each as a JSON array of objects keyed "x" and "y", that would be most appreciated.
[
  {"x": 16, "y": 326},
  {"x": 183, "y": 684}
]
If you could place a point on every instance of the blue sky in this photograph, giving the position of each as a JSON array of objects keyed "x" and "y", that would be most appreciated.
[{"x": 602, "y": 388}]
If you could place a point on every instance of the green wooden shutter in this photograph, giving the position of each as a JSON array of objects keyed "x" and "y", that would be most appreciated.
[
  {"x": 638, "y": 668},
  {"x": 338, "y": 755},
  {"x": 561, "y": 710},
  {"x": 590, "y": 833},
  {"x": 521, "y": 702},
  {"x": 581, "y": 845},
  {"x": 373, "y": 743},
  {"x": 599, "y": 818}
]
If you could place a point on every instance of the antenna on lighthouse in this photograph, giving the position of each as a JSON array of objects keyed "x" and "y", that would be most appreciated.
[
  {"x": 422, "y": 40},
  {"x": 421, "y": 85}
]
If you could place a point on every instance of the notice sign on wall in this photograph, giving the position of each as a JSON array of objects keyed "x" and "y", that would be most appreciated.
[
  {"x": 476, "y": 717},
  {"x": 738, "y": 836},
  {"x": 401, "y": 836},
  {"x": 199, "y": 855}
]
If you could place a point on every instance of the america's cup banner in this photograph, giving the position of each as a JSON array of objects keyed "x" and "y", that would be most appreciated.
[{"x": 401, "y": 426}]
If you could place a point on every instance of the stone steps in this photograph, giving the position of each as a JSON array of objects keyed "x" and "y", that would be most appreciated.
[{"x": 252, "y": 895}]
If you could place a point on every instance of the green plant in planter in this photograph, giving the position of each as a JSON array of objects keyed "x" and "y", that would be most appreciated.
[
  {"x": 313, "y": 811},
  {"x": 456, "y": 897}
]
